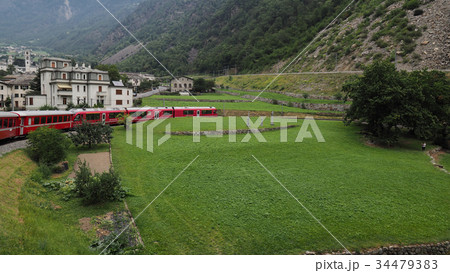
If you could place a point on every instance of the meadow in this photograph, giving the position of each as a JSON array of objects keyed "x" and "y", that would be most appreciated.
[
  {"x": 156, "y": 101},
  {"x": 226, "y": 203}
]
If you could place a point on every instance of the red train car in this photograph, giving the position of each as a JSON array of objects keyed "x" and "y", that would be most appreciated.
[
  {"x": 31, "y": 120},
  {"x": 194, "y": 111},
  {"x": 8, "y": 125}
]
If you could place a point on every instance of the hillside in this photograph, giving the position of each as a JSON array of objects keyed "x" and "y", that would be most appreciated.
[
  {"x": 72, "y": 27},
  {"x": 412, "y": 35},
  {"x": 253, "y": 36}
]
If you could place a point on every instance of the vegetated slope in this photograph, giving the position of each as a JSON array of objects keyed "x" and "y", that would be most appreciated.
[
  {"x": 412, "y": 33},
  {"x": 202, "y": 36},
  {"x": 64, "y": 25},
  {"x": 254, "y": 36}
]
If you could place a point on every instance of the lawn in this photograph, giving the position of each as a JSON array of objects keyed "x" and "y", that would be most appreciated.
[
  {"x": 35, "y": 220},
  {"x": 444, "y": 160},
  {"x": 243, "y": 106},
  {"x": 226, "y": 203}
]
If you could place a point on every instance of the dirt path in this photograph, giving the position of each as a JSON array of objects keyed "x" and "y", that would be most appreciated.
[{"x": 97, "y": 162}]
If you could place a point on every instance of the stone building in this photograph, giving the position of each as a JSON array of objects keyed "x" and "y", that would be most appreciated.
[{"x": 181, "y": 84}]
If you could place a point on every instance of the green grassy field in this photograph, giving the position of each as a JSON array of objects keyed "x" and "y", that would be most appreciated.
[
  {"x": 281, "y": 97},
  {"x": 242, "y": 106},
  {"x": 35, "y": 220},
  {"x": 319, "y": 84},
  {"x": 226, "y": 203},
  {"x": 444, "y": 160},
  {"x": 200, "y": 97}
]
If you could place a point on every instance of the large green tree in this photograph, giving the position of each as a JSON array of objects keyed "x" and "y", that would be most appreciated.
[{"x": 388, "y": 101}]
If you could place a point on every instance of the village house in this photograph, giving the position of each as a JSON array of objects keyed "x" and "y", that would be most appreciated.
[
  {"x": 181, "y": 84},
  {"x": 62, "y": 84},
  {"x": 15, "y": 87}
]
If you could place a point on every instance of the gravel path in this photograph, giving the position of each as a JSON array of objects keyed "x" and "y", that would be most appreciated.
[
  {"x": 97, "y": 162},
  {"x": 6, "y": 147}
]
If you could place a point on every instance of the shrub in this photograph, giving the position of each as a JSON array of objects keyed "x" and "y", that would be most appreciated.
[
  {"x": 89, "y": 134},
  {"x": 290, "y": 104},
  {"x": 47, "y": 146},
  {"x": 98, "y": 188},
  {"x": 47, "y": 107},
  {"x": 338, "y": 96},
  {"x": 274, "y": 102},
  {"x": 137, "y": 102},
  {"x": 411, "y": 4},
  {"x": 305, "y": 95}
]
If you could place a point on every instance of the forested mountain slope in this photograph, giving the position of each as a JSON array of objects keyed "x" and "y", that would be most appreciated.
[{"x": 264, "y": 35}]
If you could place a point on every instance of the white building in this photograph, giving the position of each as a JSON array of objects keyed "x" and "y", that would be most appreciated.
[
  {"x": 62, "y": 84},
  {"x": 15, "y": 87}
]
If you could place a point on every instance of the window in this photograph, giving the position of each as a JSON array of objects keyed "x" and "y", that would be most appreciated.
[
  {"x": 206, "y": 112},
  {"x": 84, "y": 76},
  {"x": 78, "y": 76},
  {"x": 100, "y": 88},
  {"x": 77, "y": 118},
  {"x": 188, "y": 112},
  {"x": 64, "y": 101},
  {"x": 16, "y": 87},
  {"x": 1, "y": 123},
  {"x": 118, "y": 102},
  {"x": 99, "y": 77},
  {"x": 53, "y": 65},
  {"x": 49, "y": 120},
  {"x": 92, "y": 117},
  {"x": 128, "y": 92},
  {"x": 78, "y": 88},
  {"x": 113, "y": 115},
  {"x": 128, "y": 101},
  {"x": 190, "y": 85},
  {"x": 31, "y": 101},
  {"x": 64, "y": 76},
  {"x": 37, "y": 120},
  {"x": 16, "y": 95},
  {"x": 1, "y": 87},
  {"x": 118, "y": 92},
  {"x": 10, "y": 123},
  {"x": 167, "y": 113},
  {"x": 175, "y": 85},
  {"x": 65, "y": 64},
  {"x": 84, "y": 89}
]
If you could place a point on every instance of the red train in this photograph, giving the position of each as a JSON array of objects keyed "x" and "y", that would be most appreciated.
[{"x": 15, "y": 124}]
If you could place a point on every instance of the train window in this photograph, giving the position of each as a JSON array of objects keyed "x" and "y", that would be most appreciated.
[
  {"x": 143, "y": 114},
  {"x": 167, "y": 113},
  {"x": 1, "y": 123},
  {"x": 92, "y": 116},
  {"x": 77, "y": 118},
  {"x": 206, "y": 112},
  {"x": 66, "y": 118},
  {"x": 188, "y": 112},
  {"x": 49, "y": 120},
  {"x": 59, "y": 118},
  {"x": 114, "y": 115},
  {"x": 11, "y": 123},
  {"x": 36, "y": 120}
]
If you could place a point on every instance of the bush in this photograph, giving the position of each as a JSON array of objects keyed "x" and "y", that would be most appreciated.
[
  {"x": 98, "y": 188},
  {"x": 47, "y": 146},
  {"x": 275, "y": 102},
  {"x": 305, "y": 95},
  {"x": 338, "y": 96},
  {"x": 411, "y": 4},
  {"x": 47, "y": 107},
  {"x": 89, "y": 134}
]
